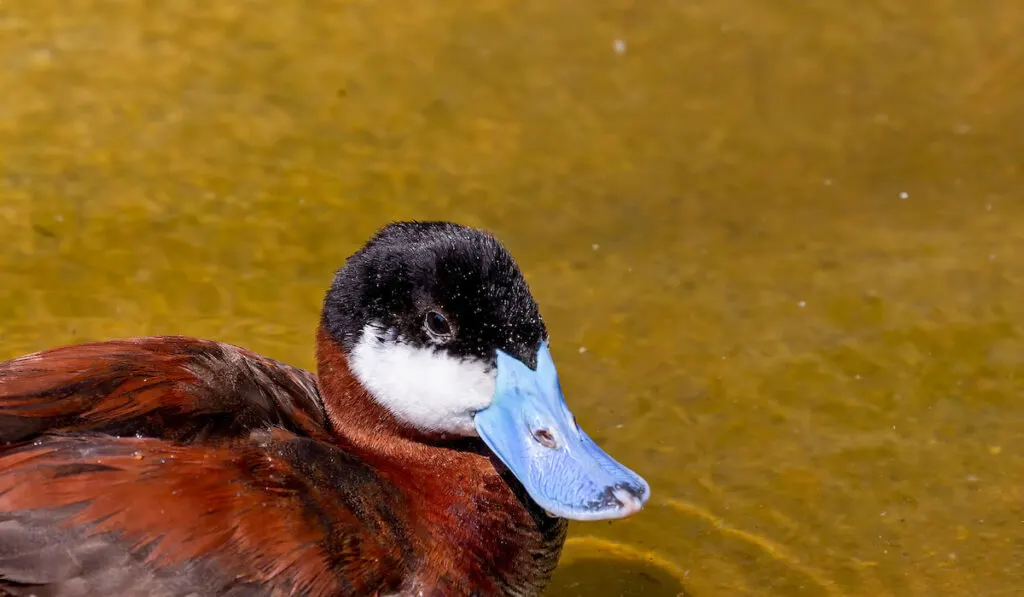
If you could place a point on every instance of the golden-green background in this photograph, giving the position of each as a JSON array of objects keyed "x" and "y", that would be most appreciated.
[{"x": 775, "y": 242}]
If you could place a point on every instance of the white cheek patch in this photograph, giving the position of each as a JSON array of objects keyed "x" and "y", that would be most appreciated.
[{"x": 423, "y": 387}]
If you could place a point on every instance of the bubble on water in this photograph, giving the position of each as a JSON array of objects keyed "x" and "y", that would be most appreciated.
[
  {"x": 583, "y": 349},
  {"x": 802, "y": 304},
  {"x": 619, "y": 46},
  {"x": 904, "y": 195},
  {"x": 595, "y": 246}
]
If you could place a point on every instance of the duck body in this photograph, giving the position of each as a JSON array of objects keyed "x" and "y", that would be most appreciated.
[{"x": 174, "y": 467}]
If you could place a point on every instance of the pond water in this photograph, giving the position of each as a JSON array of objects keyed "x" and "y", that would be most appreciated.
[{"x": 775, "y": 243}]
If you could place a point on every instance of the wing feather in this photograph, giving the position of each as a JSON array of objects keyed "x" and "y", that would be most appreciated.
[
  {"x": 174, "y": 467},
  {"x": 171, "y": 387},
  {"x": 101, "y": 515}
]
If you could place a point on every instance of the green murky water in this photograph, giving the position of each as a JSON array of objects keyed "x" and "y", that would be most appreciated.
[{"x": 776, "y": 243}]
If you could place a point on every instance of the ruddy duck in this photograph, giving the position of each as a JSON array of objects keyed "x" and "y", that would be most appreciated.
[{"x": 432, "y": 455}]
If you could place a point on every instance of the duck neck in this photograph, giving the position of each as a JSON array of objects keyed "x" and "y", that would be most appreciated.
[
  {"x": 358, "y": 422},
  {"x": 450, "y": 483},
  {"x": 361, "y": 425}
]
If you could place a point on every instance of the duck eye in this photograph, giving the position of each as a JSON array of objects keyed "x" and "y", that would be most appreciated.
[{"x": 437, "y": 325}]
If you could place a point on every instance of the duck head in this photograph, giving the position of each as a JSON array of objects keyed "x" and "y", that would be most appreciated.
[{"x": 439, "y": 326}]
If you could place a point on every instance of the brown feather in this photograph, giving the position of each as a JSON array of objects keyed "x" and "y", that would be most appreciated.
[
  {"x": 170, "y": 387},
  {"x": 248, "y": 508},
  {"x": 174, "y": 466},
  {"x": 480, "y": 533}
]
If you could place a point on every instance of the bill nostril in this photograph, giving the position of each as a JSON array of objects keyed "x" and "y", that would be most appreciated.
[{"x": 545, "y": 438}]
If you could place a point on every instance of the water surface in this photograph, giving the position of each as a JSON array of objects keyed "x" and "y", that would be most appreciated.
[{"x": 775, "y": 243}]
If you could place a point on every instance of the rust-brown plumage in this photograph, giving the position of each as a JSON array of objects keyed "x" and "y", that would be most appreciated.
[
  {"x": 173, "y": 466},
  {"x": 413, "y": 464}
]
